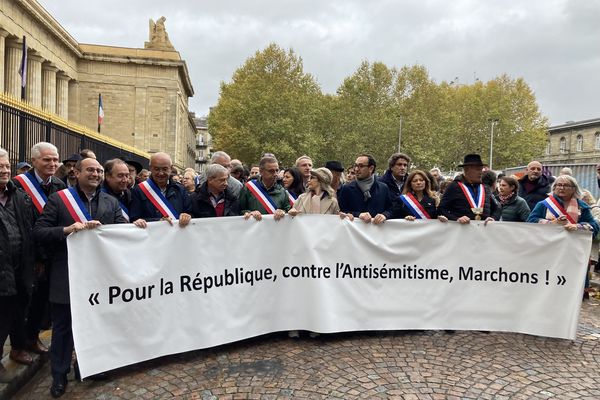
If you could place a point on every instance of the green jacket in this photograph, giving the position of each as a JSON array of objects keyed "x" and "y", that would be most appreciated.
[{"x": 248, "y": 202}]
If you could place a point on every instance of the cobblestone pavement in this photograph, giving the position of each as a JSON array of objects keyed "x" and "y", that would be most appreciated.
[{"x": 399, "y": 365}]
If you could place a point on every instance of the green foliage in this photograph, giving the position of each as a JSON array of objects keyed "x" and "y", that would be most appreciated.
[{"x": 271, "y": 105}]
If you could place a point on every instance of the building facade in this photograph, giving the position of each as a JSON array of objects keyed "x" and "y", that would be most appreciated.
[
  {"x": 145, "y": 91},
  {"x": 573, "y": 143},
  {"x": 203, "y": 143}
]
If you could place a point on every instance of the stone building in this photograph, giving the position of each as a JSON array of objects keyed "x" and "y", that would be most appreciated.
[
  {"x": 203, "y": 143},
  {"x": 573, "y": 143},
  {"x": 144, "y": 91}
]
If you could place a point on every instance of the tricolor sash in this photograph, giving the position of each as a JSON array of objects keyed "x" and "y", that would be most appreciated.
[
  {"x": 74, "y": 205},
  {"x": 292, "y": 198},
  {"x": 414, "y": 206},
  {"x": 556, "y": 209},
  {"x": 124, "y": 209},
  {"x": 476, "y": 200},
  {"x": 33, "y": 188},
  {"x": 160, "y": 202},
  {"x": 260, "y": 193}
]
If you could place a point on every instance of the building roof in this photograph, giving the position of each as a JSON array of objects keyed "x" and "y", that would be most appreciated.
[{"x": 575, "y": 125}]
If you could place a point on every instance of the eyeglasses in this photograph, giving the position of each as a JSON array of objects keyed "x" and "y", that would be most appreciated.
[
  {"x": 563, "y": 185},
  {"x": 91, "y": 170},
  {"x": 360, "y": 165}
]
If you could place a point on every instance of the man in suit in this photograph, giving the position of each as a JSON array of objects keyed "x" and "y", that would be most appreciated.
[
  {"x": 39, "y": 183},
  {"x": 366, "y": 197},
  {"x": 52, "y": 228}
]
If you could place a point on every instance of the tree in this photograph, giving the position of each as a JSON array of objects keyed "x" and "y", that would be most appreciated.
[{"x": 270, "y": 105}]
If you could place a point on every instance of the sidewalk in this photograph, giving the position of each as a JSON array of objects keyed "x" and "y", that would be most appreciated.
[
  {"x": 21, "y": 374},
  {"x": 17, "y": 374}
]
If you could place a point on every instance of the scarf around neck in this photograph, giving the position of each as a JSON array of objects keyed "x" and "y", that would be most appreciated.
[{"x": 365, "y": 186}]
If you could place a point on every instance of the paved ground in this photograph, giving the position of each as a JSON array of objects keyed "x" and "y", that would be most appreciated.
[{"x": 412, "y": 365}]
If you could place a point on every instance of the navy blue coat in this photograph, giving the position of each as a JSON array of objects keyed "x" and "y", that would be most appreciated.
[
  {"x": 141, "y": 207},
  {"x": 388, "y": 179},
  {"x": 351, "y": 200}
]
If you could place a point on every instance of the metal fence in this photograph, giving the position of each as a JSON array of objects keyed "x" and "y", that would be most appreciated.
[
  {"x": 584, "y": 173},
  {"x": 20, "y": 130}
]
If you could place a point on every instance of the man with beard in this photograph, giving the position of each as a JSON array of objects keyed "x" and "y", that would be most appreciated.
[
  {"x": 69, "y": 164},
  {"x": 365, "y": 197}
]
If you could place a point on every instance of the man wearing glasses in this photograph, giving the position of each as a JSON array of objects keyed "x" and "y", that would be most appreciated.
[
  {"x": 365, "y": 197},
  {"x": 83, "y": 206},
  {"x": 264, "y": 195},
  {"x": 534, "y": 186}
]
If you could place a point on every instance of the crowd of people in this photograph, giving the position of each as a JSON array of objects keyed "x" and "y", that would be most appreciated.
[{"x": 48, "y": 199}]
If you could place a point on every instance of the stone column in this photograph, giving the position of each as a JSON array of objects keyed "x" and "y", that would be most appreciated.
[
  {"x": 33, "y": 89},
  {"x": 3, "y": 35},
  {"x": 74, "y": 101},
  {"x": 12, "y": 79},
  {"x": 62, "y": 95},
  {"x": 49, "y": 87}
]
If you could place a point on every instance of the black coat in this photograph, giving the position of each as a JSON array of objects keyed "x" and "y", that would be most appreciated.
[
  {"x": 454, "y": 204},
  {"x": 388, "y": 179},
  {"x": 48, "y": 230},
  {"x": 400, "y": 210},
  {"x": 202, "y": 206},
  {"x": 542, "y": 187},
  {"x": 141, "y": 207},
  {"x": 351, "y": 199},
  {"x": 21, "y": 277}
]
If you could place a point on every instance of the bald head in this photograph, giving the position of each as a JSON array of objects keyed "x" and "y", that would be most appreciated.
[
  {"x": 160, "y": 168},
  {"x": 534, "y": 170}
]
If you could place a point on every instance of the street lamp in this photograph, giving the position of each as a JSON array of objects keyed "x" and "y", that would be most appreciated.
[{"x": 494, "y": 122}]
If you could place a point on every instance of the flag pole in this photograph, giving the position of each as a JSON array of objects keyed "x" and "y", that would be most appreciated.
[{"x": 100, "y": 111}]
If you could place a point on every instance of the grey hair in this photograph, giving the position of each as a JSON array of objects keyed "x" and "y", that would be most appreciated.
[
  {"x": 266, "y": 160},
  {"x": 3, "y": 153},
  {"x": 219, "y": 154},
  {"x": 36, "y": 150},
  {"x": 572, "y": 181},
  {"x": 213, "y": 170}
]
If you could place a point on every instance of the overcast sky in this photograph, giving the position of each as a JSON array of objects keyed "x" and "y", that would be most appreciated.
[{"x": 553, "y": 44}]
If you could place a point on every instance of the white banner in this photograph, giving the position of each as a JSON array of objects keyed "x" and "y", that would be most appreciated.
[{"x": 137, "y": 294}]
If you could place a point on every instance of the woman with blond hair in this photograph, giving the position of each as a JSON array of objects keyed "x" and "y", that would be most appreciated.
[
  {"x": 320, "y": 196},
  {"x": 418, "y": 200}
]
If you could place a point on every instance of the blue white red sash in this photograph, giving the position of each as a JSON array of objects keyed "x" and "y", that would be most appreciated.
[
  {"x": 124, "y": 209},
  {"x": 556, "y": 209},
  {"x": 414, "y": 206},
  {"x": 160, "y": 202},
  {"x": 476, "y": 200},
  {"x": 260, "y": 193},
  {"x": 74, "y": 205},
  {"x": 292, "y": 198},
  {"x": 33, "y": 188}
]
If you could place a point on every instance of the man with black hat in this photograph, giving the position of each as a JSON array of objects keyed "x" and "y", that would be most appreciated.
[
  {"x": 336, "y": 169},
  {"x": 466, "y": 198},
  {"x": 69, "y": 179},
  {"x": 134, "y": 169}
]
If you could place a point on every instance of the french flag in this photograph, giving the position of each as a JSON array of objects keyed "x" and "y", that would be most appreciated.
[{"x": 100, "y": 111}]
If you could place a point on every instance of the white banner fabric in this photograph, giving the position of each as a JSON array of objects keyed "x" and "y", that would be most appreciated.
[{"x": 138, "y": 294}]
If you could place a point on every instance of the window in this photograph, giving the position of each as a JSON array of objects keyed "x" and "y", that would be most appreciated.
[
  {"x": 563, "y": 145},
  {"x": 548, "y": 148},
  {"x": 597, "y": 141},
  {"x": 579, "y": 143}
]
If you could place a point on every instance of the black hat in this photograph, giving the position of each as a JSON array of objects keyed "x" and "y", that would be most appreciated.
[
  {"x": 138, "y": 167},
  {"x": 334, "y": 166},
  {"x": 472, "y": 159},
  {"x": 73, "y": 157}
]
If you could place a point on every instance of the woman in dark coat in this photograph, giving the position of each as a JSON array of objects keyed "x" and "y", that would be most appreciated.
[
  {"x": 512, "y": 207},
  {"x": 418, "y": 200}
]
